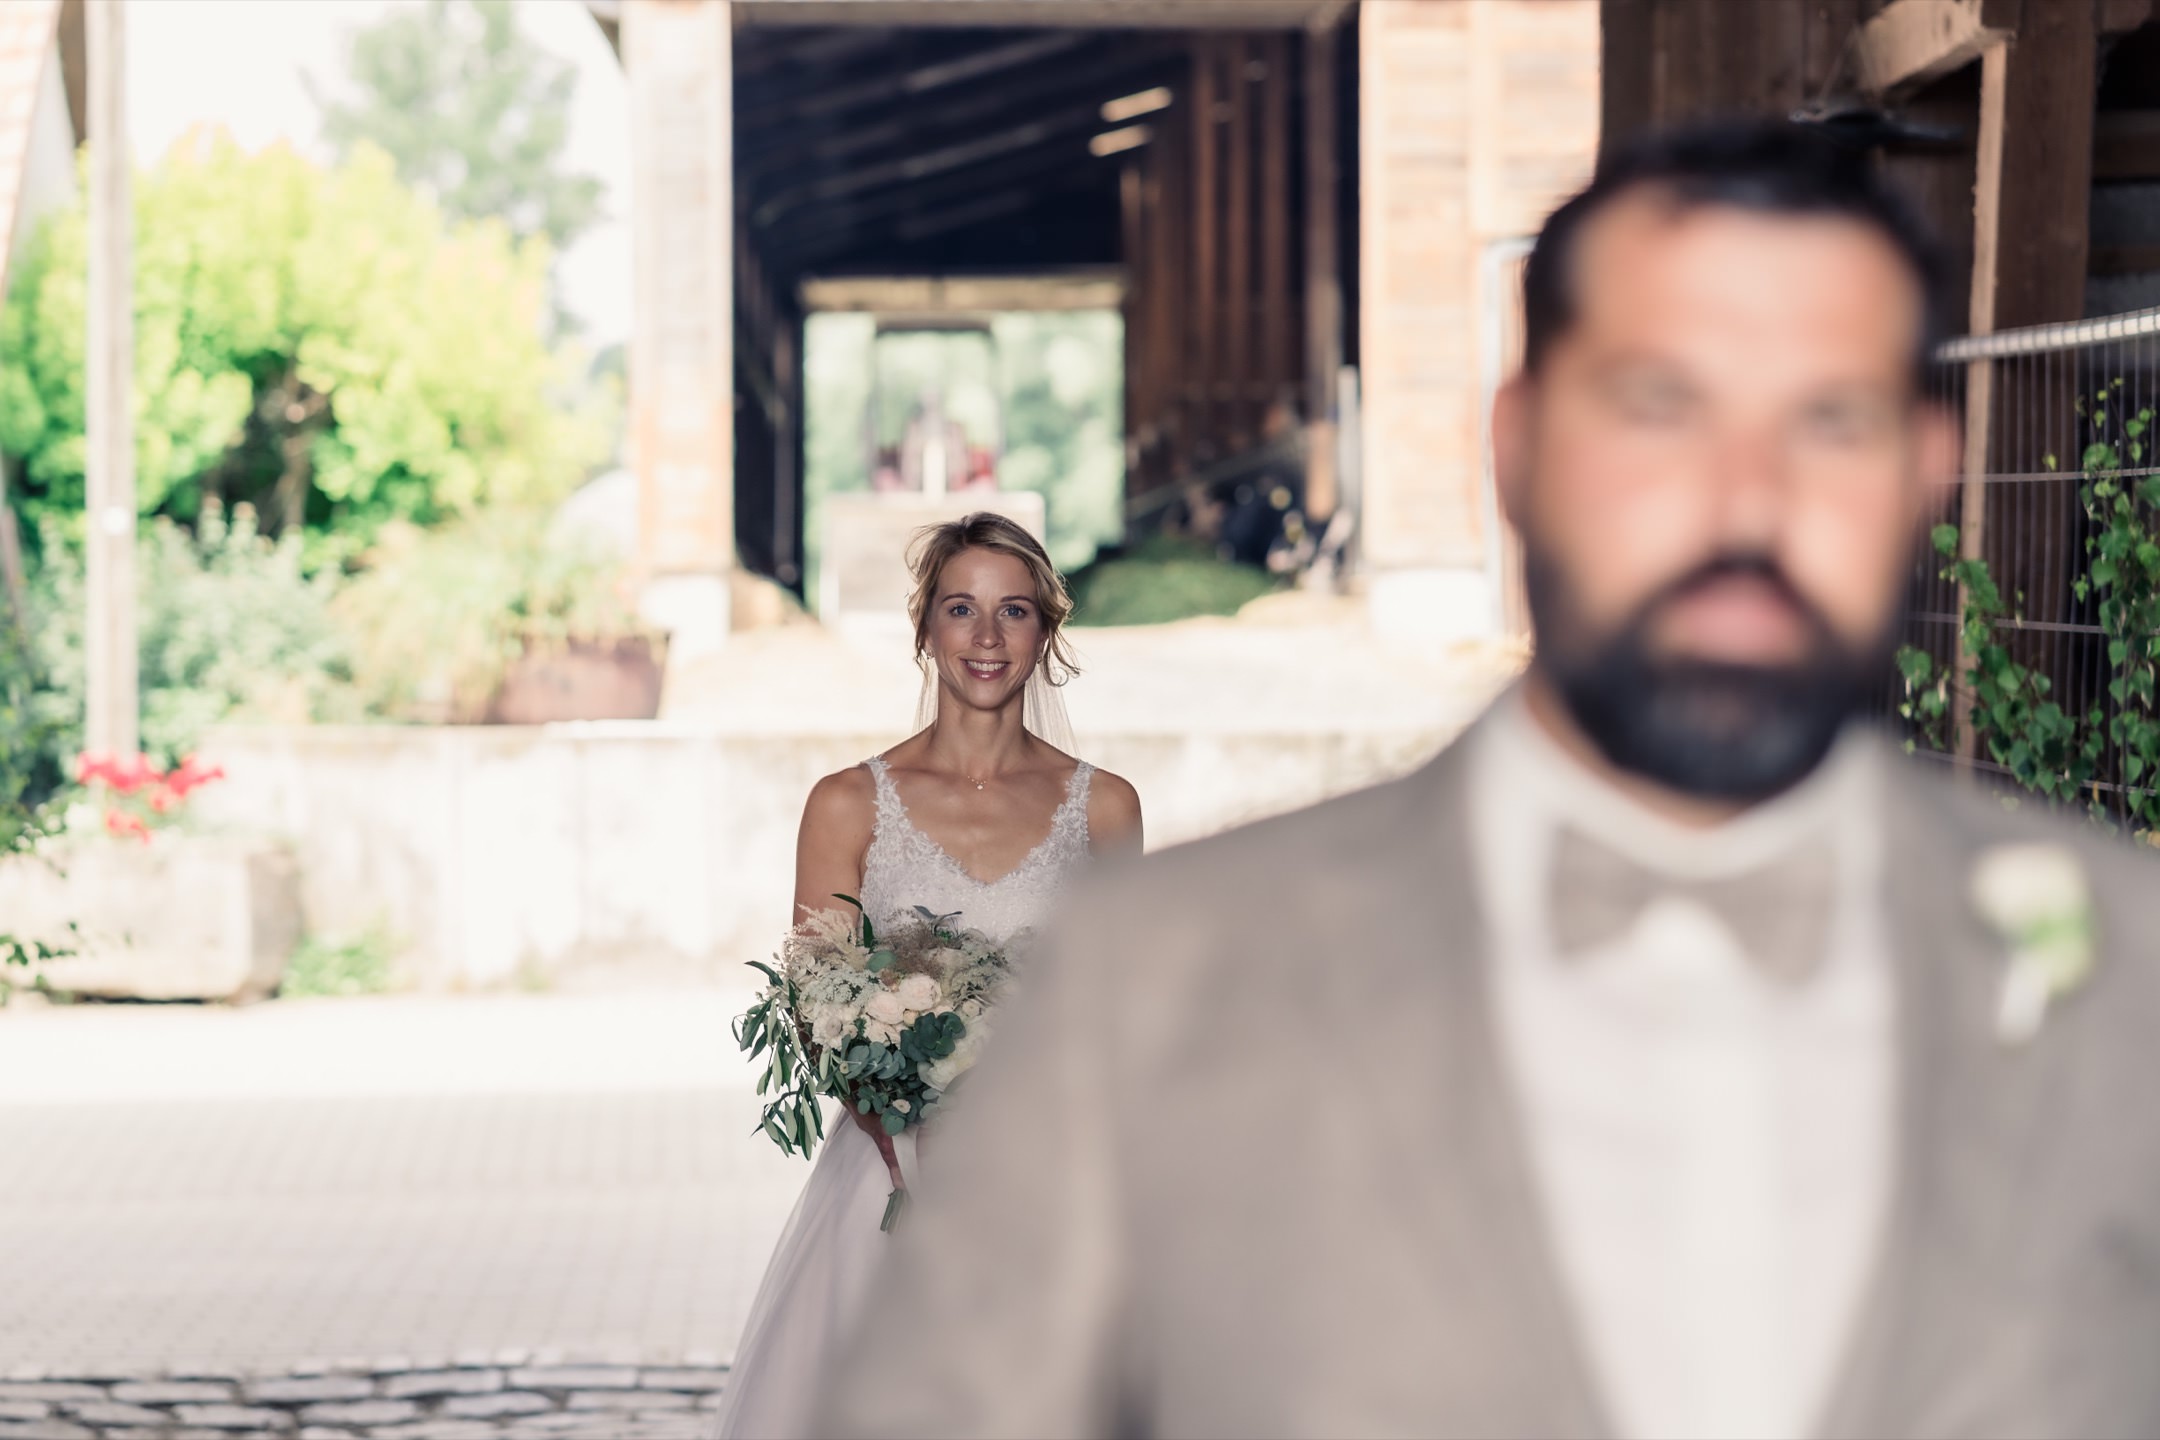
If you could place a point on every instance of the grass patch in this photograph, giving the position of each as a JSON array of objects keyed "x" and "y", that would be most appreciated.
[
  {"x": 355, "y": 966},
  {"x": 1160, "y": 580}
]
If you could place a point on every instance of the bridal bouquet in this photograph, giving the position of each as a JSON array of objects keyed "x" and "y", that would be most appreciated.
[{"x": 884, "y": 1022}]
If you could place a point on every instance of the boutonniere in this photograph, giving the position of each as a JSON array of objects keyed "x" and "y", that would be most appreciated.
[{"x": 2036, "y": 898}]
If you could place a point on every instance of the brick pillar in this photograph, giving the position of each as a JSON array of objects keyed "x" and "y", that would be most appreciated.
[
  {"x": 678, "y": 55},
  {"x": 1475, "y": 119}
]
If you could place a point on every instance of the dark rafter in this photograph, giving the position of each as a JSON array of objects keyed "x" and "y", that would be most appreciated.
[
  {"x": 812, "y": 52},
  {"x": 1062, "y": 151},
  {"x": 895, "y": 83},
  {"x": 1105, "y": 71},
  {"x": 912, "y": 169}
]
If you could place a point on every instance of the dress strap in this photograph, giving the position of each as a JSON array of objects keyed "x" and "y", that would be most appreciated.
[
  {"x": 890, "y": 808},
  {"x": 1074, "y": 812}
]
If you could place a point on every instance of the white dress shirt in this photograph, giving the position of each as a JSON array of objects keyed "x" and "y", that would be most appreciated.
[{"x": 1711, "y": 1146}]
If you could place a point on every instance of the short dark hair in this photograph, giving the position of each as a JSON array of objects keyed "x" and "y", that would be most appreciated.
[{"x": 1774, "y": 167}]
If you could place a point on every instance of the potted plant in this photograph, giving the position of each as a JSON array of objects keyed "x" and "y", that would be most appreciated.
[
  {"x": 128, "y": 901},
  {"x": 491, "y": 620}
]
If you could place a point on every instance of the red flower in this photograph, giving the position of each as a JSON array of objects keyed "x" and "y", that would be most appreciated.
[
  {"x": 119, "y": 822},
  {"x": 132, "y": 774},
  {"x": 191, "y": 775}
]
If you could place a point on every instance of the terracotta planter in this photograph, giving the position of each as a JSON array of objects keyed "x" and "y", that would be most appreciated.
[
  {"x": 587, "y": 680},
  {"x": 181, "y": 918}
]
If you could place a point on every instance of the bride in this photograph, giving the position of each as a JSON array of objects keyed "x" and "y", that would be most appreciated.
[{"x": 979, "y": 813}]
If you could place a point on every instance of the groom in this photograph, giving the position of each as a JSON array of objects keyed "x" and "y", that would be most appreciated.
[{"x": 1671, "y": 1057}]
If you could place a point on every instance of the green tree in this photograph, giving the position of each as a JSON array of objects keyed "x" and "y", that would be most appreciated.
[
  {"x": 1063, "y": 397},
  {"x": 317, "y": 343},
  {"x": 472, "y": 112}
]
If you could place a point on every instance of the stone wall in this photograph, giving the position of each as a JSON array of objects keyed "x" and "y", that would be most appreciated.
[
  {"x": 513, "y": 1396},
  {"x": 500, "y": 855}
]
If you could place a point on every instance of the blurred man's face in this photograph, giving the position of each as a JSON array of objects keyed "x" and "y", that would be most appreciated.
[{"x": 1718, "y": 475}]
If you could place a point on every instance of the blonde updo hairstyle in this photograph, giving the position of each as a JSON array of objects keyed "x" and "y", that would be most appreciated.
[{"x": 934, "y": 547}]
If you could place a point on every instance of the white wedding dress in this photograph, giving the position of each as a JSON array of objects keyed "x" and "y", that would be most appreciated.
[{"x": 814, "y": 1286}]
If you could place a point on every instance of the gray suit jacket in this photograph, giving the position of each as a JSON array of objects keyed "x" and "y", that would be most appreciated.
[{"x": 1244, "y": 1161}]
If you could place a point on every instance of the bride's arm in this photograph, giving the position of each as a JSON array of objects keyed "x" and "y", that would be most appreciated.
[
  {"x": 1113, "y": 815},
  {"x": 838, "y": 821}
]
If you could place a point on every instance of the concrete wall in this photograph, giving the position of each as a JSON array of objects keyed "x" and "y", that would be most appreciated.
[{"x": 622, "y": 850}]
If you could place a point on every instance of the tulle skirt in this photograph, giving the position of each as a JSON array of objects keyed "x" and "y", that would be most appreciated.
[{"x": 813, "y": 1289}]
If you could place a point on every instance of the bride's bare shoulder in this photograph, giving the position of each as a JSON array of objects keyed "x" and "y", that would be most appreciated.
[
  {"x": 1113, "y": 808},
  {"x": 844, "y": 803}
]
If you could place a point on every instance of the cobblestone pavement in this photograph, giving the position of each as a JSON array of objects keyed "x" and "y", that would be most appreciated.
[
  {"x": 384, "y": 1184},
  {"x": 510, "y": 1399}
]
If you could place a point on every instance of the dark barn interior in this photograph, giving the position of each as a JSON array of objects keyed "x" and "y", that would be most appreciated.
[{"x": 1212, "y": 170}]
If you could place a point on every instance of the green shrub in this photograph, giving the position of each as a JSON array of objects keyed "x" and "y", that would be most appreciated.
[
  {"x": 34, "y": 778},
  {"x": 1160, "y": 580},
  {"x": 231, "y": 626},
  {"x": 359, "y": 965},
  {"x": 437, "y": 617}
]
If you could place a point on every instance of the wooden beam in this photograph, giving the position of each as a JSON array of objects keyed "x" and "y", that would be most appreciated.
[
  {"x": 762, "y": 51},
  {"x": 919, "y": 123},
  {"x": 1231, "y": 385},
  {"x": 2125, "y": 259},
  {"x": 1195, "y": 15},
  {"x": 1132, "y": 255},
  {"x": 1060, "y": 153},
  {"x": 918, "y": 80},
  {"x": 2118, "y": 17},
  {"x": 1910, "y": 42},
  {"x": 1277, "y": 295},
  {"x": 2032, "y": 185},
  {"x": 2126, "y": 145},
  {"x": 1627, "y": 44},
  {"x": 932, "y": 297},
  {"x": 1166, "y": 273},
  {"x": 1323, "y": 270},
  {"x": 918, "y": 166},
  {"x": 2048, "y": 92},
  {"x": 1980, "y": 375},
  {"x": 74, "y": 67},
  {"x": 1206, "y": 209}
]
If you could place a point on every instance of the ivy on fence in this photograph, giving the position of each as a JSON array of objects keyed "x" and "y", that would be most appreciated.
[{"x": 2013, "y": 718}]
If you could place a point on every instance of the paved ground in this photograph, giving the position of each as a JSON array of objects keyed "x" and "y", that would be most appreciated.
[
  {"x": 432, "y": 1179},
  {"x": 409, "y": 1182}
]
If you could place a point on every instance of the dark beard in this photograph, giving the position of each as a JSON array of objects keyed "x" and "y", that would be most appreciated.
[{"x": 1714, "y": 729}]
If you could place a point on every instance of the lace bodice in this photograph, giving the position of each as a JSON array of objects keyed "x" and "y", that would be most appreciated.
[{"x": 906, "y": 868}]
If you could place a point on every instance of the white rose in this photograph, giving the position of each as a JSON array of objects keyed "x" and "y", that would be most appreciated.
[
  {"x": 831, "y": 1029},
  {"x": 902, "y": 1106},
  {"x": 881, "y": 1032},
  {"x": 940, "y": 1074},
  {"x": 919, "y": 992},
  {"x": 885, "y": 1008},
  {"x": 2019, "y": 887}
]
